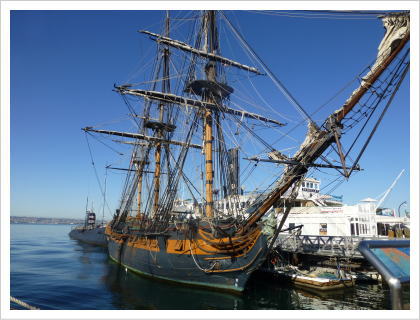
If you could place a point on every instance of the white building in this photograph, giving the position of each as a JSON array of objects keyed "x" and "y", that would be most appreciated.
[{"x": 319, "y": 214}]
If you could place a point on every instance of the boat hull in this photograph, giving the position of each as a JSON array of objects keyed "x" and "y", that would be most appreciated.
[
  {"x": 186, "y": 267},
  {"x": 95, "y": 236}
]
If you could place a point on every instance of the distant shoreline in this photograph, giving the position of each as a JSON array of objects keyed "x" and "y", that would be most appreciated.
[
  {"x": 45, "y": 224},
  {"x": 40, "y": 220}
]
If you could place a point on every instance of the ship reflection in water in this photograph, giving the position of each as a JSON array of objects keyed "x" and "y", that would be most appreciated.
[{"x": 132, "y": 291}]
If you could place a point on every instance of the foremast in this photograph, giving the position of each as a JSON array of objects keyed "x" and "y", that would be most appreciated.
[{"x": 165, "y": 89}]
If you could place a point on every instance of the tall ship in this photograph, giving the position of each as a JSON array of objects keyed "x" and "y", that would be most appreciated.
[{"x": 182, "y": 216}]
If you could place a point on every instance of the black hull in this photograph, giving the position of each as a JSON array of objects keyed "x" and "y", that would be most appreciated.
[
  {"x": 190, "y": 269},
  {"x": 94, "y": 236}
]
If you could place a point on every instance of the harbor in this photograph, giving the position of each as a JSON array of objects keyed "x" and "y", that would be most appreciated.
[
  {"x": 96, "y": 283},
  {"x": 220, "y": 172},
  {"x": 317, "y": 263}
]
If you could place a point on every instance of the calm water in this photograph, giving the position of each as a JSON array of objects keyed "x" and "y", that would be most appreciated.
[{"x": 51, "y": 271}]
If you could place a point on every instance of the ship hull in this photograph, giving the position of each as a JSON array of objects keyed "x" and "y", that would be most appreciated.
[
  {"x": 95, "y": 236},
  {"x": 189, "y": 268}
]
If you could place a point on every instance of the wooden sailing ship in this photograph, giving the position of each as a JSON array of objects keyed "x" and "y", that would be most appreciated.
[{"x": 151, "y": 233}]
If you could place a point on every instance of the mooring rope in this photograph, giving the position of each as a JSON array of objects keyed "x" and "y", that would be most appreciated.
[{"x": 22, "y": 304}]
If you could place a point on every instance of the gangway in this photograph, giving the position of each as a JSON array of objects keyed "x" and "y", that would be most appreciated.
[{"x": 331, "y": 246}]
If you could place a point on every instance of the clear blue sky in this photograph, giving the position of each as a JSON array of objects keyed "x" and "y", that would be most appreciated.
[{"x": 64, "y": 65}]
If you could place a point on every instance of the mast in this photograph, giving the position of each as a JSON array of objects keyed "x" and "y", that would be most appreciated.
[
  {"x": 211, "y": 75},
  {"x": 157, "y": 167},
  {"x": 86, "y": 211},
  {"x": 165, "y": 88},
  {"x": 139, "y": 167},
  {"x": 389, "y": 190}
]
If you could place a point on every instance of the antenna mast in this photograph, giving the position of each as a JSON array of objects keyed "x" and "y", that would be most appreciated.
[{"x": 389, "y": 189}]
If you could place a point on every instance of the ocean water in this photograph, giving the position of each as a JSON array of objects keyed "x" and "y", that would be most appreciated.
[{"x": 51, "y": 271}]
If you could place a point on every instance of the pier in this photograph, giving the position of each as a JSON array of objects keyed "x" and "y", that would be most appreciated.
[
  {"x": 327, "y": 246},
  {"x": 337, "y": 252}
]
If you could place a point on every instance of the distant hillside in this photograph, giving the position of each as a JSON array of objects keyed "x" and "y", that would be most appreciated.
[{"x": 38, "y": 220}]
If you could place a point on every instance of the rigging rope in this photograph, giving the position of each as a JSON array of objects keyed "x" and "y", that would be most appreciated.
[
  {"x": 119, "y": 153},
  {"x": 327, "y": 15},
  {"x": 407, "y": 67},
  {"x": 276, "y": 81},
  {"x": 96, "y": 174},
  {"x": 22, "y": 304}
]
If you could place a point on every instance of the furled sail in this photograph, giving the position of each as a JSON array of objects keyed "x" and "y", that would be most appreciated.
[{"x": 397, "y": 35}]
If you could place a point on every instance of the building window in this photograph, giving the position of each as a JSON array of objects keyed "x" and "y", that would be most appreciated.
[{"x": 354, "y": 228}]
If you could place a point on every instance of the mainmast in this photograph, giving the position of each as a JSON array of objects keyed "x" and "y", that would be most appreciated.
[{"x": 211, "y": 75}]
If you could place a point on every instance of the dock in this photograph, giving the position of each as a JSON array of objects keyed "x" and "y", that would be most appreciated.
[
  {"x": 327, "y": 246},
  {"x": 338, "y": 252}
]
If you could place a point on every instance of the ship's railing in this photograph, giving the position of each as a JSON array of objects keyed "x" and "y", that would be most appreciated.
[
  {"x": 78, "y": 226},
  {"x": 338, "y": 246},
  {"x": 84, "y": 227}
]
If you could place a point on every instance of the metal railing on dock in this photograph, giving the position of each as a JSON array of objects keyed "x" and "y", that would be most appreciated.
[{"x": 332, "y": 246}]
